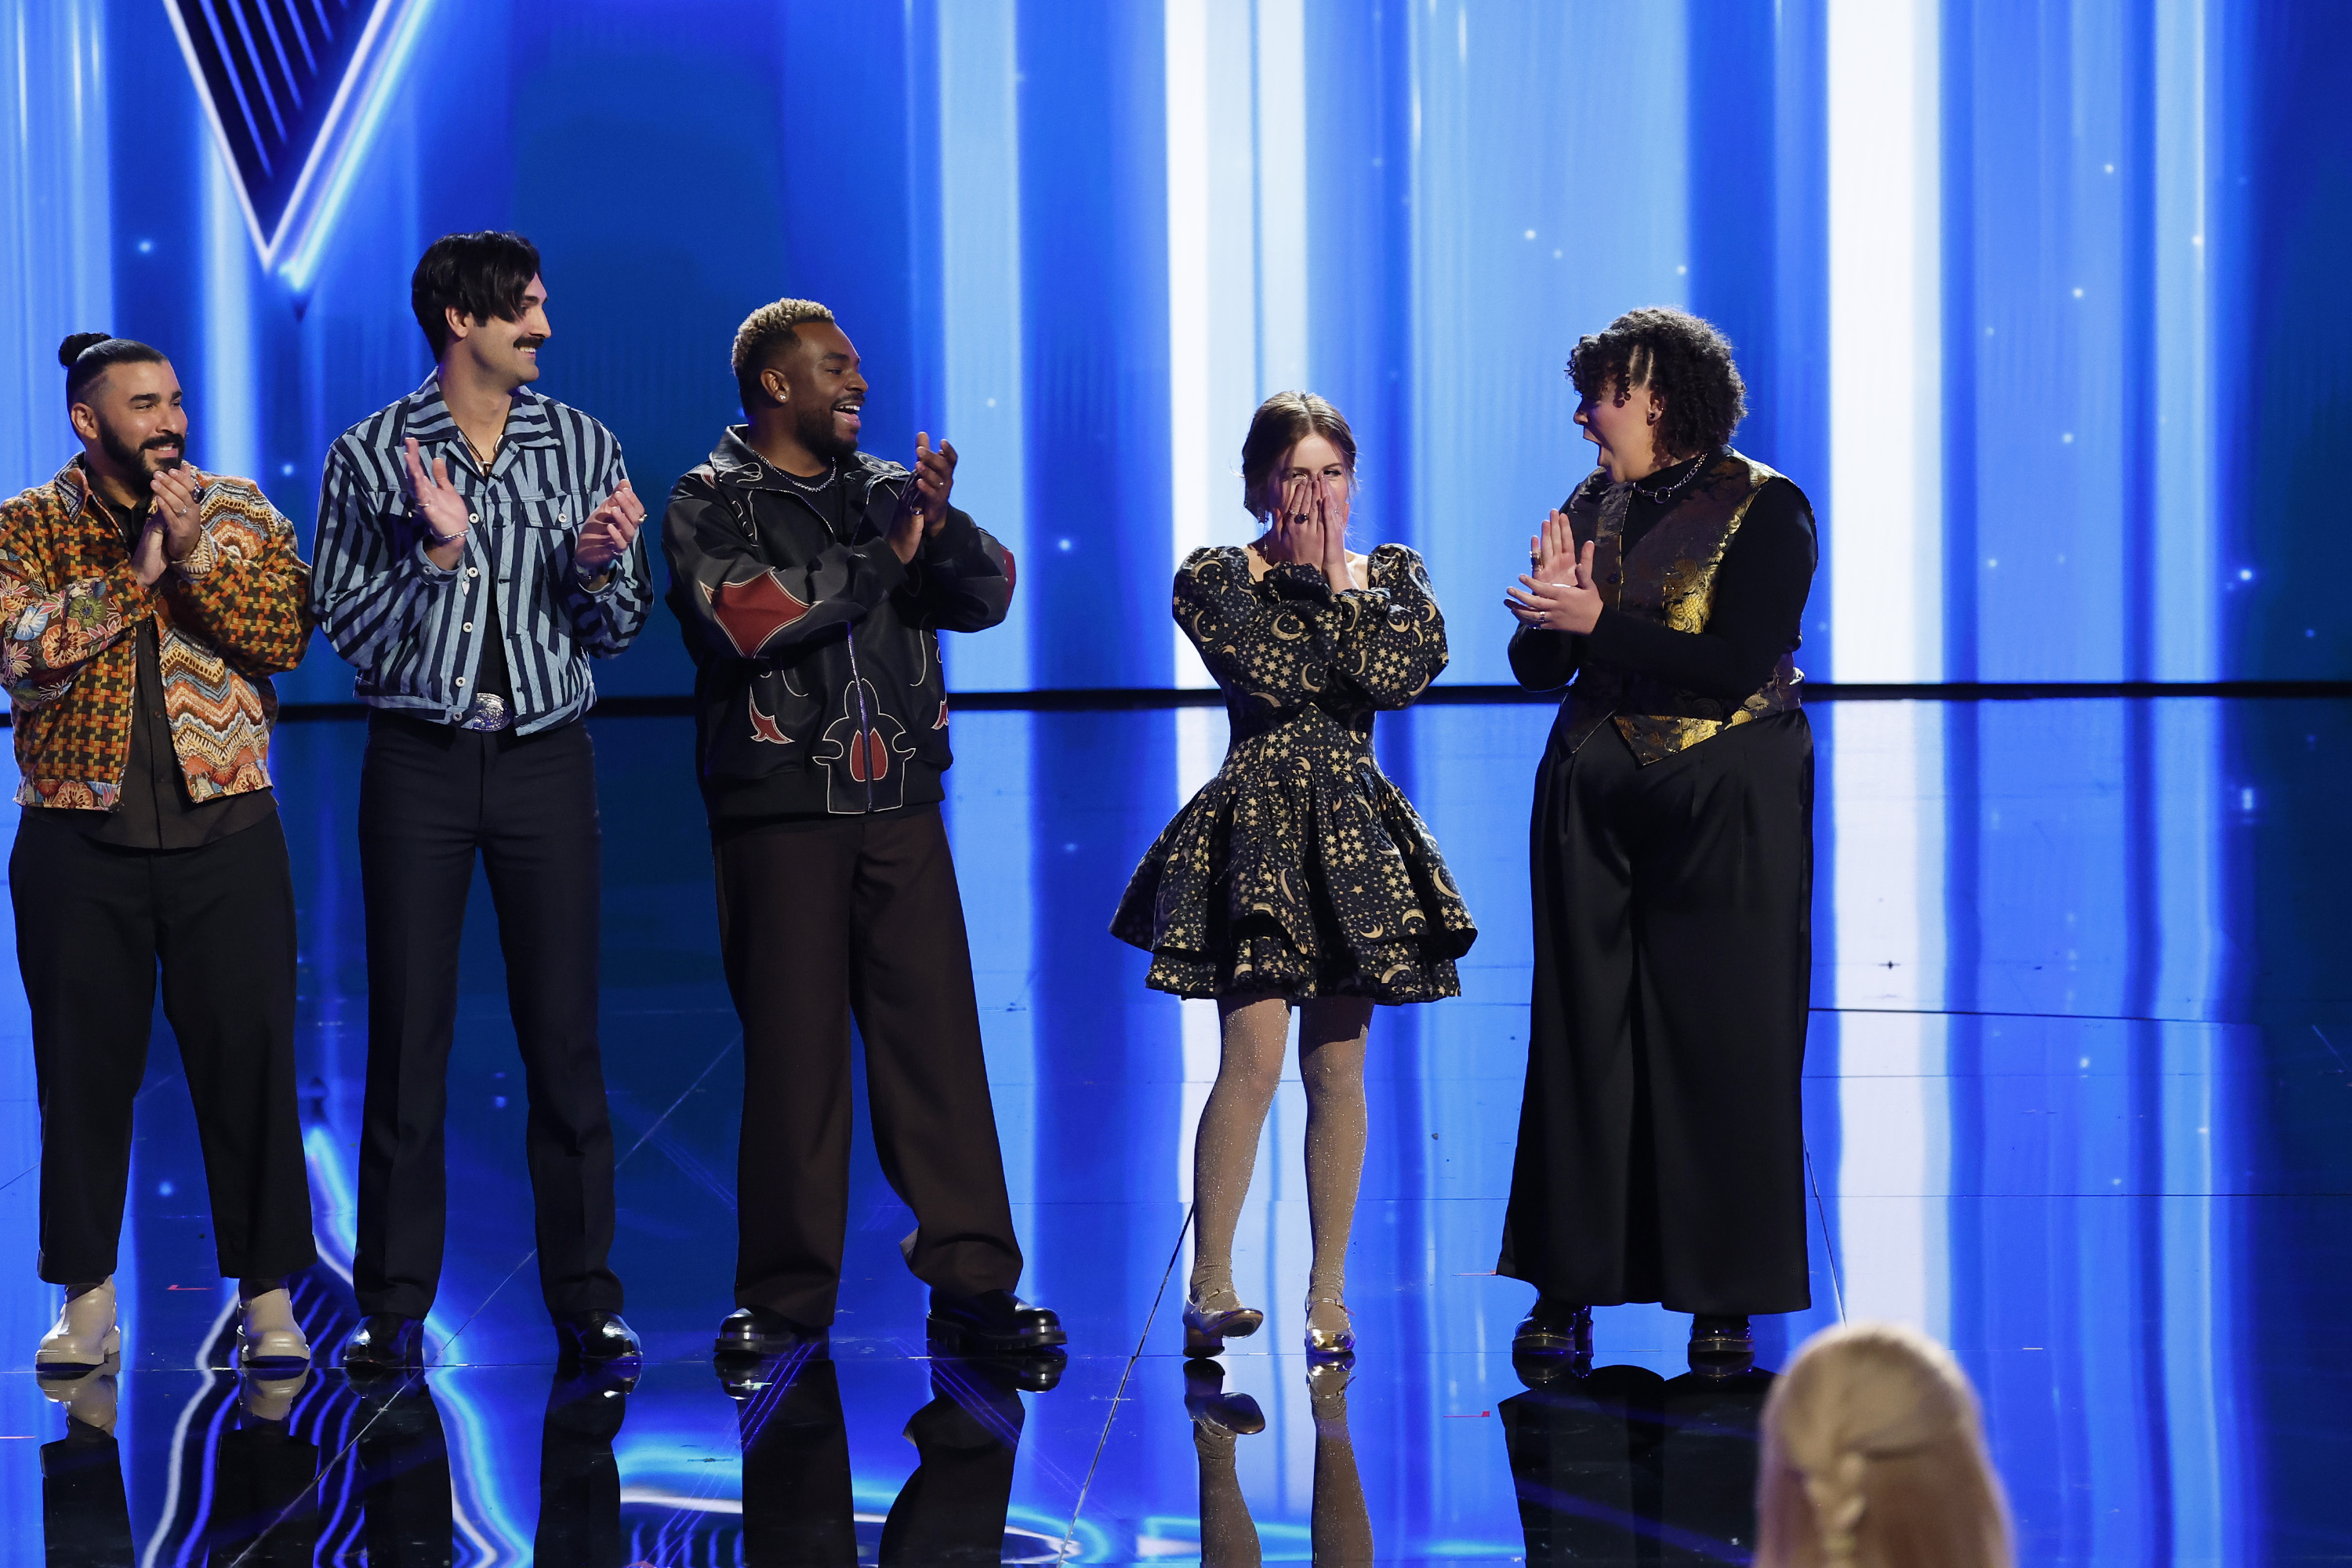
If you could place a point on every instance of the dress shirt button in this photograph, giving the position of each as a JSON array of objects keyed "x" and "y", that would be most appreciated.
[
  {"x": 473, "y": 570},
  {"x": 461, "y": 680},
  {"x": 476, "y": 517},
  {"x": 470, "y": 626}
]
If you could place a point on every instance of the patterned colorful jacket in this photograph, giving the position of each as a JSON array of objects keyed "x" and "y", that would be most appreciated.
[{"x": 227, "y": 618}]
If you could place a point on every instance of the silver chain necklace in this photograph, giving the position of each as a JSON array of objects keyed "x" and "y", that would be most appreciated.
[{"x": 1698, "y": 467}]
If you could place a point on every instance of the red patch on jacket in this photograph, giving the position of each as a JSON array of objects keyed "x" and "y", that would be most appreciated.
[
  {"x": 869, "y": 756},
  {"x": 751, "y": 613}
]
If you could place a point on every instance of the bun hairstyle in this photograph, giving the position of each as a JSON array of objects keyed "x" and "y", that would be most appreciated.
[
  {"x": 1874, "y": 1458},
  {"x": 1282, "y": 422},
  {"x": 87, "y": 356}
]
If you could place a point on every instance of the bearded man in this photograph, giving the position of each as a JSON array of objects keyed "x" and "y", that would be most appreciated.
[
  {"x": 143, "y": 607},
  {"x": 813, "y": 581}
]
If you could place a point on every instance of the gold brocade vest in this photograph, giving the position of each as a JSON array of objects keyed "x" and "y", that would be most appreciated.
[{"x": 1670, "y": 579}]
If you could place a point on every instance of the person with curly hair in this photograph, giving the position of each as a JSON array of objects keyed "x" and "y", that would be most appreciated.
[
  {"x": 1300, "y": 876},
  {"x": 1661, "y": 1152}
]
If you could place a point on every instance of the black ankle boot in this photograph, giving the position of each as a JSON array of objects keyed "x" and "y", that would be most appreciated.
[{"x": 1721, "y": 1343}]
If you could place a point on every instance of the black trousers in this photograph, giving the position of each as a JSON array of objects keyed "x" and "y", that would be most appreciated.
[
  {"x": 818, "y": 923},
  {"x": 433, "y": 797},
  {"x": 94, "y": 921},
  {"x": 1661, "y": 1150},
  {"x": 797, "y": 1508}
]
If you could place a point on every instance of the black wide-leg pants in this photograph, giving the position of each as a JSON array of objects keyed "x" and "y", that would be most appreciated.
[
  {"x": 1661, "y": 1152},
  {"x": 94, "y": 922},
  {"x": 431, "y": 797},
  {"x": 818, "y": 923}
]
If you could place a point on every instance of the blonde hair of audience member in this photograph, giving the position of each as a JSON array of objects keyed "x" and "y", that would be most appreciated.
[{"x": 1874, "y": 1457}]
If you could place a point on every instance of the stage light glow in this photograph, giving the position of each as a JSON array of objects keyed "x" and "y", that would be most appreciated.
[
  {"x": 294, "y": 245},
  {"x": 1884, "y": 533}
]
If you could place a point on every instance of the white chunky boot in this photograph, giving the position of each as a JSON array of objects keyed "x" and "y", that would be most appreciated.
[
  {"x": 85, "y": 1336},
  {"x": 268, "y": 1335},
  {"x": 89, "y": 1399}
]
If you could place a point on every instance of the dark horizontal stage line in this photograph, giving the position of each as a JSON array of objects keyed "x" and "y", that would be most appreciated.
[{"x": 1132, "y": 699}]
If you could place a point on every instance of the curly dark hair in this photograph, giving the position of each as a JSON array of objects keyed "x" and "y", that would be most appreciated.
[{"x": 1681, "y": 358}]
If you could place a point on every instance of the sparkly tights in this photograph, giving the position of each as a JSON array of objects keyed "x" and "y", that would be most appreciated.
[
  {"x": 1331, "y": 1064},
  {"x": 1342, "y": 1525}
]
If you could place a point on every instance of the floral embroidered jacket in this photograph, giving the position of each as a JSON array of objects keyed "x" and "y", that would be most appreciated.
[{"x": 227, "y": 618}]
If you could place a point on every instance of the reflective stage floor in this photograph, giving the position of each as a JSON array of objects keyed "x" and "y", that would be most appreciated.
[{"x": 2079, "y": 1101}]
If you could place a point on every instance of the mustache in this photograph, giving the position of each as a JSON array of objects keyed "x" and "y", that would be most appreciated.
[{"x": 529, "y": 339}]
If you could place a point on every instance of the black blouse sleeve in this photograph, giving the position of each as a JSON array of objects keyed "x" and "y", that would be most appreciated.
[
  {"x": 1544, "y": 661},
  {"x": 1761, "y": 588}
]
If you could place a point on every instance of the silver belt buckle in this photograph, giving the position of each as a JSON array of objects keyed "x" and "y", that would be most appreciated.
[{"x": 490, "y": 712}]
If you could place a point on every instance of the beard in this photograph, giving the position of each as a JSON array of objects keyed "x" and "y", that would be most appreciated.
[
  {"x": 142, "y": 461},
  {"x": 814, "y": 428}
]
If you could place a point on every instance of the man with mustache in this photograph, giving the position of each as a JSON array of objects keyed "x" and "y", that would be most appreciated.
[
  {"x": 143, "y": 607},
  {"x": 477, "y": 547},
  {"x": 813, "y": 581}
]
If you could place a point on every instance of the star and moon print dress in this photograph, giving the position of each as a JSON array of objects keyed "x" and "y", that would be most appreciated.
[{"x": 1300, "y": 871}]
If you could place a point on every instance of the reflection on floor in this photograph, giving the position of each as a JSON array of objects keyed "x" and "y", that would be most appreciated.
[{"x": 2078, "y": 1103}]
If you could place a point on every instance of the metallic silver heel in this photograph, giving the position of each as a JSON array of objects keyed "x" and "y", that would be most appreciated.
[
  {"x": 1326, "y": 1341},
  {"x": 1207, "y": 1328}
]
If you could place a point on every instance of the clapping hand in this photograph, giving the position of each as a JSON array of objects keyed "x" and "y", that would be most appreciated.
[
  {"x": 440, "y": 506},
  {"x": 605, "y": 537},
  {"x": 178, "y": 497},
  {"x": 1561, "y": 595},
  {"x": 923, "y": 498}
]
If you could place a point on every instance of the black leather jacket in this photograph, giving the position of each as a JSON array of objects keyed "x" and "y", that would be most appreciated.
[{"x": 817, "y": 685}]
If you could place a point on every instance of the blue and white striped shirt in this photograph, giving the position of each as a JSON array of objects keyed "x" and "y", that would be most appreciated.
[{"x": 415, "y": 631}]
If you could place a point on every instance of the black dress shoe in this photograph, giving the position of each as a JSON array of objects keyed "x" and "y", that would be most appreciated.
[
  {"x": 595, "y": 1336},
  {"x": 991, "y": 1323},
  {"x": 384, "y": 1342},
  {"x": 757, "y": 1333},
  {"x": 1721, "y": 1344},
  {"x": 1554, "y": 1329}
]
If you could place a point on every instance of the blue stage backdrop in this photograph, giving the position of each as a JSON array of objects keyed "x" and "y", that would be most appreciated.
[{"x": 2033, "y": 298}]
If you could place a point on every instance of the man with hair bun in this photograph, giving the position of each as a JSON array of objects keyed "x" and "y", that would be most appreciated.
[
  {"x": 145, "y": 606},
  {"x": 811, "y": 581},
  {"x": 477, "y": 548}
]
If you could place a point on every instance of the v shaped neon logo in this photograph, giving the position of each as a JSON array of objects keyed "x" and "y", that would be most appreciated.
[{"x": 294, "y": 89}]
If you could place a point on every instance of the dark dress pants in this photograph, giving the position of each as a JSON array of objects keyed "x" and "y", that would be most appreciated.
[
  {"x": 94, "y": 921},
  {"x": 432, "y": 798},
  {"x": 818, "y": 923},
  {"x": 1661, "y": 1153}
]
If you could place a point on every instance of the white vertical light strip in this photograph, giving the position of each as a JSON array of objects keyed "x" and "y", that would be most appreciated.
[
  {"x": 2202, "y": 1404},
  {"x": 980, "y": 253},
  {"x": 1887, "y": 761},
  {"x": 2186, "y": 645},
  {"x": 224, "y": 414},
  {"x": 1885, "y": 519},
  {"x": 1213, "y": 318},
  {"x": 1895, "y": 1160},
  {"x": 57, "y": 276},
  {"x": 1190, "y": 467},
  {"x": 1282, "y": 195}
]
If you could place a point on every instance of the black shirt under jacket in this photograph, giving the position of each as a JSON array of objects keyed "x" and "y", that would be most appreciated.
[
  {"x": 1758, "y": 614},
  {"x": 154, "y": 812}
]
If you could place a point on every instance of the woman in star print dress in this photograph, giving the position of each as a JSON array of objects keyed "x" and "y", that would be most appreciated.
[{"x": 1300, "y": 876}]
